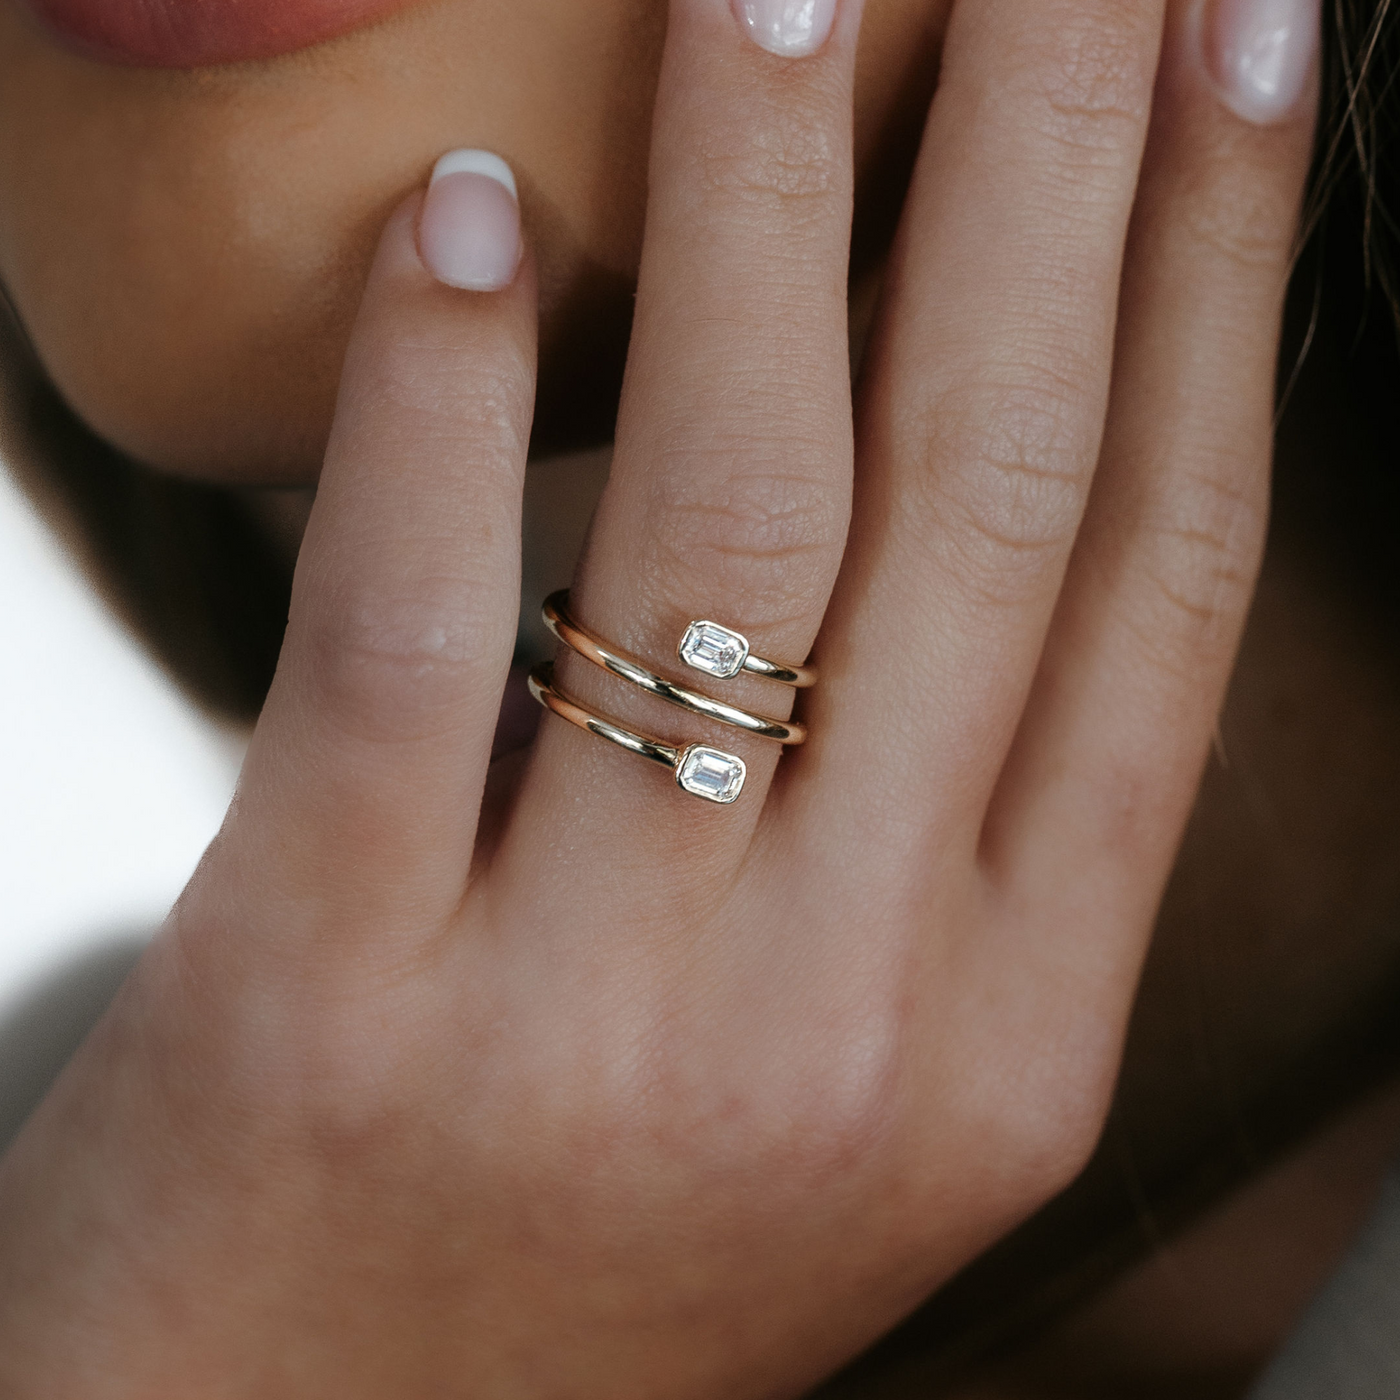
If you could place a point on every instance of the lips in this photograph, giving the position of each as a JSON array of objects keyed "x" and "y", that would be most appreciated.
[{"x": 195, "y": 33}]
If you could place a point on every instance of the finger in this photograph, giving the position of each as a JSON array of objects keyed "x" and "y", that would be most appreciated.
[
  {"x": 364, "y": 777},
  {"x": 981, "y": 410},
  {"x": 729, "y": 492},
  {"x": 1106, "y": 764}
]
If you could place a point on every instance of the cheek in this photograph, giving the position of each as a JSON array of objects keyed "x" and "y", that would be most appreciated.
[
  {"x": 198, "y": 334},
  {"x": 192, "y": 315},
  {"x": 187, "y": 249}
]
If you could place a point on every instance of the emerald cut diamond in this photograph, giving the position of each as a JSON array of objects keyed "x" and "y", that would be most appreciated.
[
  {"x": 716, "y": 650},
  {"x": 710, "y": 773}
]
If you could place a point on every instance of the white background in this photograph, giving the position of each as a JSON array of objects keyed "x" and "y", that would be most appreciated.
[{"x": 111, "y": 785}]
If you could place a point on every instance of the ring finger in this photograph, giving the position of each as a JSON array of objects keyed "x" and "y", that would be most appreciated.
[{"x": 730, "y": 488}]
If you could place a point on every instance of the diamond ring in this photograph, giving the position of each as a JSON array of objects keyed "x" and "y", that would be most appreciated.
[
  {"x": 601, "y": 653},
  {"x": 699, "y": 769}
]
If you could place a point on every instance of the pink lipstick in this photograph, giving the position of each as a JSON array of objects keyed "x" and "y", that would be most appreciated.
[{"x": 196, "y": 33}]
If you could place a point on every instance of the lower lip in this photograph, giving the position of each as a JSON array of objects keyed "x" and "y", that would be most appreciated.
[{"x": 198, "y": 33}]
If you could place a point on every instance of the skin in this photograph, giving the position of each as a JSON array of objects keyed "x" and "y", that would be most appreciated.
[
  {"x": 562, "y": 1133},
  {"x": 206, "y": 336}
]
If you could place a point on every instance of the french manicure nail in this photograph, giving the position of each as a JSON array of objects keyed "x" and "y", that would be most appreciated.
[
  {"x": 469, "y": 230},
  {"x": 1260, "y": 53},
  {"x": 790, "y": 28}
]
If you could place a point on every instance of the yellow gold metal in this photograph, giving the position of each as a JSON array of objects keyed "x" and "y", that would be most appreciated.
[
  {"x": 800, "y": 676},
  {"x": 601, "y": 653},
  {"x": 721, "y": 652},
  {"x": 678, "y": 760}
]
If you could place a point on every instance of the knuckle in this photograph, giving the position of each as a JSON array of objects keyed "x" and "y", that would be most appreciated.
[
  {"x": 1049, "y": 1140},
  {"x": 1005, "y": 467},
  {"x": 1091, "y": 71},
  {"x": 1041, "y": 1119},
  {"x": 395, "y": 668},
  {"x": 1200, "y": 567},
  {"x": 1243, "y": 227},
  {"x": 782, "y": 159},
  {"x": 766, "y": 534},
  {"x": 799, "y": 1104},
  {"x": 1099, "y": 64}
]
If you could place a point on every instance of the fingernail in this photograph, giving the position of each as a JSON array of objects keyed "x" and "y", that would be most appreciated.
[
  {"x": 1260, "y": 53},
  {"x": 790, "y": 28},
  {"x": 469, "y": 231}
]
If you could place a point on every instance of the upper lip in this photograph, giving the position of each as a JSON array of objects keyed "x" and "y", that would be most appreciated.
[{"x": 196, "y": 33}]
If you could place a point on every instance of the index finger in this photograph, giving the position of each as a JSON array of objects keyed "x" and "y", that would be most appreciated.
[{"x": 365, "y": 774}]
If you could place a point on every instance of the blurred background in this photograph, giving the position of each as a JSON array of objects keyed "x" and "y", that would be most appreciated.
[{"x": 111, "y": 785}]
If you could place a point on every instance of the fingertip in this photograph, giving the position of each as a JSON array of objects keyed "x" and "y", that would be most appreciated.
[
  {"x": 787, "y": 28},
  {"x": 1260, "y": 55},
  {"x": 469, "y": 225}
]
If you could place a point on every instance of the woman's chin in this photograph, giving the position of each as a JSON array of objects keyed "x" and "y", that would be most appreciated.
[{"x": 243, "y": 408}]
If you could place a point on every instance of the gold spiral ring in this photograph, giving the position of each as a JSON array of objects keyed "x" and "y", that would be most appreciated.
[{"x": 601, "y": 653}]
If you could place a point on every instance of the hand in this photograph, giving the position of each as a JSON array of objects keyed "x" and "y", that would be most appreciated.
[{"x": 598, "y": 1088}]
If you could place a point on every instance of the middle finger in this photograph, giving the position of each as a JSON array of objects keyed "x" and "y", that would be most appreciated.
[{"x": 982, "y": 409}]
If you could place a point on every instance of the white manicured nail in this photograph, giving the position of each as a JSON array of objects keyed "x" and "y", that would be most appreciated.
[
  {"x": 469, "y": 231},
  {"x": 1260, "y": 53},
  {"x": 790, "y": 28}
]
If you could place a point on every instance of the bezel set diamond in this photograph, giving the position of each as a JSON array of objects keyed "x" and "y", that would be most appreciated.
[
  {"x": 716, "y": 650},
  {"x": 711, "y": 773},
  {"x": 699, "y": 769}
]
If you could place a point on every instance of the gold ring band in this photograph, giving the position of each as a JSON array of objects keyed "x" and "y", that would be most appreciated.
[
  {"x": 587, "y": 644},
  {"x": 699, "y": 769}
]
